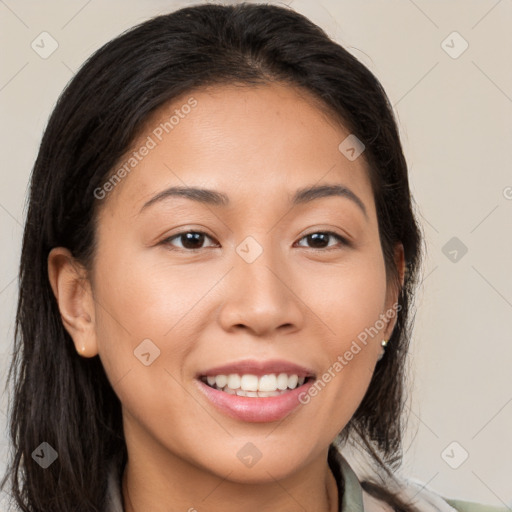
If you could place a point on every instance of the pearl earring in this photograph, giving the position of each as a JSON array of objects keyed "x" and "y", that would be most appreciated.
[{"x": 383, "y": 344}]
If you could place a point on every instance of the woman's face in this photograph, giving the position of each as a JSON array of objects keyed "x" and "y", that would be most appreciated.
[{"x": 255, "y": 288}]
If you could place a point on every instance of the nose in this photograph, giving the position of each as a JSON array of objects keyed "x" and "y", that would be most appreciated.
[{"x": 262, "y": 297}]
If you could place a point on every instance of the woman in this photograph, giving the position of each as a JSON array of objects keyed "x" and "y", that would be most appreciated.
[{"x": 184, "y": 341}]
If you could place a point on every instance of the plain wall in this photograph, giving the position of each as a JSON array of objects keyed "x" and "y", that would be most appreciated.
[{"x": 454, "y": 116}]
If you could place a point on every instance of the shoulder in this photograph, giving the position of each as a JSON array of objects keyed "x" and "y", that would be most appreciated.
[
  {"x": 470, "y": 506},
  {"x": 425, "y": 499},
  {"x": 419, "y": 496}
]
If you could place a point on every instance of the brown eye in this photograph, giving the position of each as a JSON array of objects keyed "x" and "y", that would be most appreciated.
[
  {"x": 320, "y": 239},
  {"x": 190, "y": 240}
]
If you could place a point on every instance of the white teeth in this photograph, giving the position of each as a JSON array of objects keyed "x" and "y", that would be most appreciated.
[
  {"x": 282, "y": 381},
  {"x": 221, "y": 381},
  {"x": 267, "y": 383},
  {"x": 260, "y": 394},
  {"x": 265, "y": 394},
  {"x": 234, "y": 381},
  {"x": 251, "y": 385}
]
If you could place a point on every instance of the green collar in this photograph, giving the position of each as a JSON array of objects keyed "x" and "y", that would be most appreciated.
[{"x": 348, "y": 484}]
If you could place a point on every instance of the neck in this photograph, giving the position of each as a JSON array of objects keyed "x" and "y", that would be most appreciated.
[{"x": 192, "y": 490}]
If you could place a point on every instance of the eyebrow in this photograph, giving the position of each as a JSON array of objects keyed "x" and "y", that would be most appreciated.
[{"x": 216, "y": 198}]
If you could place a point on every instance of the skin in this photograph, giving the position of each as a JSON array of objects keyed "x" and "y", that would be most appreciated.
[{"x": 297, "y": 301}]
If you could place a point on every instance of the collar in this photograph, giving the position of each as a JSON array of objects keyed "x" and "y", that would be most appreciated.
[{"x": 348, "y": 484}]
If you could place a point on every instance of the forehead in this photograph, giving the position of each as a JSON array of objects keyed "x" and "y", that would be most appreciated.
[{"x": 252, "y": 142}]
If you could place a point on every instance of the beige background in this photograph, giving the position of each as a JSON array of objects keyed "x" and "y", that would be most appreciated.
[{"x": 455, "y": 121}]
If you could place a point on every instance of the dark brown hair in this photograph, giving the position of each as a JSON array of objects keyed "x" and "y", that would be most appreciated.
[{"x": 66, "y": 400}]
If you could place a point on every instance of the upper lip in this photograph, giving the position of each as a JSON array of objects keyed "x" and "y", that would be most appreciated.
[{"x": 259, "y": 368}]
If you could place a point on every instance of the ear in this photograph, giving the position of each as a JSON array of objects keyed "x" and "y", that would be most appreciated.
[
  {"x": 393, "y": 291},
  {"x": 73, "y": 292}
]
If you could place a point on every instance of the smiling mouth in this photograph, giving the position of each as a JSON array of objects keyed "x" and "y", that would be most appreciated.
[{"x": 249, "y": 385}]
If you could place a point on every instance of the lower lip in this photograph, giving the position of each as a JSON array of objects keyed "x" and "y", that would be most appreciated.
[{"x": 255, "y": 409}]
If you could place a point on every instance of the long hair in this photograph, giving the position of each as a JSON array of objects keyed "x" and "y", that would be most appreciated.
[{"x": 66, "y": 400}]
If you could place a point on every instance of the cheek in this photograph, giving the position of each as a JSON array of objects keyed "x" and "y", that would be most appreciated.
[
  {"x": 140, "y": 297},
  {"x": 144, "y": 335},
  {"x": 148, "y": 298},
  {"x": 348, "y": 299},
  {"x": 349, "y": 303}
]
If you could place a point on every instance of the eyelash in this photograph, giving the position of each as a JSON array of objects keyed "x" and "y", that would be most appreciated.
[{"x": 167, "y": 241}]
